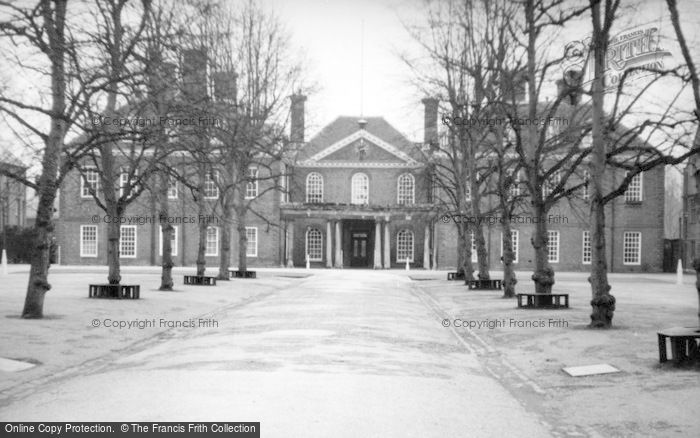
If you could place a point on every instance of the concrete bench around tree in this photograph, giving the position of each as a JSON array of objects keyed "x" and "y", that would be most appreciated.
[
  {"x": 118, "y": 291},
  {"x": 543, "y": 301},
  {"x": 455, "y": 276},
  {"x": 484, "y": 284},
  {"x": 685, "y": 344},
  {"x": 200, "y": 280},
  {"x": 242, "y": 274}
]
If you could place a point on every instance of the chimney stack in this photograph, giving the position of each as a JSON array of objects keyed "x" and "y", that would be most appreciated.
[
  {"x": 194, "y": 75},
  {"x": 296, "y": 134},
  {"x": 430, "y": 116}
]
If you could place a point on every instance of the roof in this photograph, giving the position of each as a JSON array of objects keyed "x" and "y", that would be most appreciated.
[{"x": 345, "y": 126}]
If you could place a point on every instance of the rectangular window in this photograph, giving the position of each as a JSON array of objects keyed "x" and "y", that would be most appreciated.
[
  {"x": 211, "y": 185},
  {"x": 251, "y": 188},
  {"x": 553, "y": 246},
  {"x": 586, "y": 179},
  {"x": 173, "y": 241},
  {"x": 251, "y": 234},
  {"x": 88, "y": 241},
  {"x": 634, "y": 190},
  {"x": 514, "y": 243},
  {"x": 550, "y": 184},
  {"x": 90, "y": 180},
  {"x": 127, "y": 241},
  {"x": 475, "y": 257},
  {"x": 632, "y": 248},
  {"x": 515, "y": 185},
  {"x": 212, "y": 248},
  {"x": 172, "y": 188},
  {"x": 586, "y": 257}
]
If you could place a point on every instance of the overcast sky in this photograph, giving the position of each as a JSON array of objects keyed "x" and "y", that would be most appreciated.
[{"x": 329, "y": 33}]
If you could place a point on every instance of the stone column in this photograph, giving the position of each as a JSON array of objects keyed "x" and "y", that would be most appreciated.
[
  {"x": 290, "y": 244},
  {"x": 329, "y": 245},
  {"x": 426, "y": 247},
  {"x": 696, "y": 265},
  {"x": 338, "y": 245},
  {"x": 377, "y": 244},
  {"x": 387, "y": 246}
]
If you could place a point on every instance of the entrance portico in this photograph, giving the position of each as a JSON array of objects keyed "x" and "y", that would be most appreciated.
[{"x": 354, "y": 236}]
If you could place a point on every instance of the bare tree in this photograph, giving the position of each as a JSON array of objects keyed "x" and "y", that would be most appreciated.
[{"x": 46, "y": 43}]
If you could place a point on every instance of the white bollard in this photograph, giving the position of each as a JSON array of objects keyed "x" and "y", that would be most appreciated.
[
  {"x": 4, "y": 262},
  {"x": 408, "y": 268},
  {"x": 679, "y": 273}
]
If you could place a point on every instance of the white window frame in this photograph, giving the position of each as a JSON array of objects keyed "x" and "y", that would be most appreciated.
[
  {"x": 172, "y": 188},
  {"x": 625, "y": 248},
  {"x": 549, "y": 184},
  {"x": 317, "y": 246},
  {"x": 251, "y": 187},
  {"x": 634, "y": 192},
  {"x": 356, "y": 181},
  {"x": 515, "y": 186},
  {"x": 514, "y": 241},
  {"x": 211, "y": 185},
  {"x": 174, "y": 243},
  {"x": 553, "y": 236},
  {"x": 251, "y": 250},
  {"x": 83, "y": 253},
  {"x": 475, "y": 257},
  {"x": 407, "y": 232},
  {"x": 586, "y": 248},
  {"x": 314, "y": 188},
  {"x": 586, "y": 195},
  {"x": 84, "y": 180},
  {"x": 406, "y": 189},
  {"x": 122, "y": 254},
  {"x": 215, "y": 245}
]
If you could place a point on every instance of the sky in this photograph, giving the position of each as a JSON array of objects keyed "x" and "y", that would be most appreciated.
[
  {"x": 351, "y": 50},
  {"x": 330, "y": 33}
]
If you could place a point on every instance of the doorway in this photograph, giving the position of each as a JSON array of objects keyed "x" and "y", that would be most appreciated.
[{"x": 358, "y": 243}]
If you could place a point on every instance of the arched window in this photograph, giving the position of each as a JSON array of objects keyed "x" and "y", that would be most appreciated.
[
  {"x": 406, "y": 189},
  {"x": 360, "y": 189},
  {"x": 314, "y": 188},
  {"x": 404, "y": 246},
  {"x": 314, "y": 245}
]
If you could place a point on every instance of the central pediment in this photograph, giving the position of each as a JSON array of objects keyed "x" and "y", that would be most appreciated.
[{"x": 361, "y": 149}]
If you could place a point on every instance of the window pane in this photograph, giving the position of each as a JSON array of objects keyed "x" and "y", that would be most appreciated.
[
  {"x": 404, "y": 246},
  {"x": 360, "y": 189},
  {"x": 314, "y": 245}
]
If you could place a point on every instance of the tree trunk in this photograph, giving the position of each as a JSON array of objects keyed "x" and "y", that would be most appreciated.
[
  {"x": 166, "y": 277},
  {"x": 696, "y": 265},
  {"x": 544, "y": 274},
  {"x": 509, "y": 280},
  {"x": 241, "y": 211},
  {"x": 201, "y": 211},
  {"x": 481, "y": 253},
  {"x": 225, "y": 259},
  {"x": 602, "y": 302},
  {"x": 38, "y": 274}
]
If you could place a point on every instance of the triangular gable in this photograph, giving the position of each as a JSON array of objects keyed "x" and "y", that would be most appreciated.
[{"x": 362, "y": 134}]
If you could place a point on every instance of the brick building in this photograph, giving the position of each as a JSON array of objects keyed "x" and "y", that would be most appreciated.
[
  {"x": 13, "y": 196},
  {"x": 359, "y": 195},
  {"x": 690, "y": 228}
]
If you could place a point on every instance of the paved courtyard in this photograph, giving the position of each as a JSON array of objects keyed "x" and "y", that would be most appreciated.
[{"x": 335, "y": 353}]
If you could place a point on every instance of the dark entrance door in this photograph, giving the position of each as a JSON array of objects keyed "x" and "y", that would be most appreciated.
[{"x": 359, "y": 242}]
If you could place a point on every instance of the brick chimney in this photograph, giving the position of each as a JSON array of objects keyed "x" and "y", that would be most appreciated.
[
  {"x": 430, "y": 116},
  {"x": 225, "y": 87},
  {"x": 296, "y": 133},
  {"x": 194, "y": 75}
]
